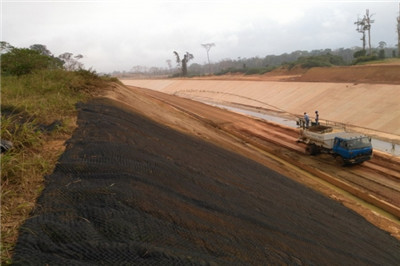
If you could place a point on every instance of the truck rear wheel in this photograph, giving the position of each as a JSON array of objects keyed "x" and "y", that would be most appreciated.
[{"x": 312, "y": 149}]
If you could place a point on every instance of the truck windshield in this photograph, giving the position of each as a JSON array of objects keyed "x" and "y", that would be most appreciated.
[{"x": 358, "y": 143}]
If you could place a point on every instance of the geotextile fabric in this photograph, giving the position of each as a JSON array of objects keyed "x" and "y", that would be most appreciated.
[{"x": 130, "y": 191}]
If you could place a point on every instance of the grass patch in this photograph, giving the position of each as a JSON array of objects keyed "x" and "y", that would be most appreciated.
[{"x": 37, "y": 115}]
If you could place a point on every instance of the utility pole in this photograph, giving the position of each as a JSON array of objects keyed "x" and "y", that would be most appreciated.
[
  {"x": 398, "y": 34},
  {"x": 208, "y": 46}
]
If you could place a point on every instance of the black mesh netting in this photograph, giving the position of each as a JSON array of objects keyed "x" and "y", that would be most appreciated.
[{"x": 129, "y": 191}]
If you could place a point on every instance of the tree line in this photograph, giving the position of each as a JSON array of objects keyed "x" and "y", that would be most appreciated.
[
  {"x": 306, "y": 59},
  {"x": 21, "y": 61},
  {"x": 259, "y": 65}
]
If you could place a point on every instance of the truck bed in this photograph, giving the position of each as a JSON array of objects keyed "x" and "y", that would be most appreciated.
[
  {"x": 320, "y": 129},
  {"x": 324, "y": 136}
]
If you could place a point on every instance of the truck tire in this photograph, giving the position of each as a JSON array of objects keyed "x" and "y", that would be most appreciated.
[
  {"x": 312, "y": 149},
  {"x": 340, "y": 160}
]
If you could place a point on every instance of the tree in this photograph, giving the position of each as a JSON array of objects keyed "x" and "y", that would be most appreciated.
[
  {"x": 361, "y": 29},
  {"x": 186, "y": 58},
  {"x": 5, "y": 47},
  {"x": 381, "y": 47},
  {"x": 364, "y": 25},
  {"x": 208, "y": 46},
  {"x": 42, "y": 49},
  {"x": 359, "y": 53},
  {"x": 368, "y": 22},
  {"x": 70, "y": 61},
  {"x": 169, "y": 63},
  {"x": 21, "y": 61}
]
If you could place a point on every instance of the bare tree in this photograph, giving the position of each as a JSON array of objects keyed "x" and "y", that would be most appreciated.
[
  {"x": 169, "y": 64},
  {"x": 71, "y": 62},
  {"x": 139, "y": 69},
  {"x": 364, "y": 25},
  {"x": 186, "y": 58},
  {"x": 361, "y": 29},
  {"x": 368, "y": 22},
  {"x": 208, "y": 46}
]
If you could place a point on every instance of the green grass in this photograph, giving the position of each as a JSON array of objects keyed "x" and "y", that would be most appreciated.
[{"x": 28, "y": 104}]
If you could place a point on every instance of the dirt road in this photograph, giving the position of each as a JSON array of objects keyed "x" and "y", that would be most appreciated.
[{"x": 149, "y": 178}]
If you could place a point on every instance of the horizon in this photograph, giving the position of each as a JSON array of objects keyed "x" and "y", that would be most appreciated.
[{"x": 118, "y": 35}]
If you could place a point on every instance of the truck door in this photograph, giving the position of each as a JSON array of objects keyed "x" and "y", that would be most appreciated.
[{"x": 340, "y": 148}]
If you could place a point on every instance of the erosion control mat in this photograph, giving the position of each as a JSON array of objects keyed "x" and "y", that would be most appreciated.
[{"x": 129, "y": 191}]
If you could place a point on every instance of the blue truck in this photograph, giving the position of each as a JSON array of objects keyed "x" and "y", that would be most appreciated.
[{"x": 346, "y": 147}]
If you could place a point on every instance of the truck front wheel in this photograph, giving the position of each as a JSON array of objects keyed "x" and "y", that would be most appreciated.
[{"x": 340, "y": 160}]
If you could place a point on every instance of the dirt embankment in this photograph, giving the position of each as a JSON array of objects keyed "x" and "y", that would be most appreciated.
[
  {"x": 143, "y": 182},
  {"x": 382, "y": 74},
  {"x": 371, "y": 106},
  {"x": 387, "y": 73},
  {"x": 365, "y": 96}
]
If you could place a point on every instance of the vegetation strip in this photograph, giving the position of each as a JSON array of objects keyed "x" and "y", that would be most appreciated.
[{"x": 37, "y": 116}]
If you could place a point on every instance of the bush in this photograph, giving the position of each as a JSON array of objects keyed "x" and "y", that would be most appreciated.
[
  {"x": 252, "y": 71},
  {"x": 326, "y": 60},
  {"x": 381, "y": 54},
  {"x": 24, "y": 61},
  {"x": 313, "y": 62},
  {"x": 259, "y": 71},
  {"x": 365, "y": 58},
  {"x": 230, "y": 70},
  {"x": 360, "y": 53}
]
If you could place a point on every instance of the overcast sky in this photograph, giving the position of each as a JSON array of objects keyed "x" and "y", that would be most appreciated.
[{"x": 117, "y": 35}]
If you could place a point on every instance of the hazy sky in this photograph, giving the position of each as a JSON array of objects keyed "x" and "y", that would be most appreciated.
[{"x": 117, "y": 35}]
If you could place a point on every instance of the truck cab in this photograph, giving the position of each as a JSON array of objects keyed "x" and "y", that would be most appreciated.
[{"x": 353, "y": 148}]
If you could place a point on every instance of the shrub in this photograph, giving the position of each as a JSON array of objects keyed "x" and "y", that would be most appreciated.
[
  {"x": 252, "y": 71},
  {"x": 24, "y": 61},
  {"x": 360, "y": 53},
  {"x": 325, "y": 60},
  {"x": 231, "y": 70},
  {"x": 365, "y": 58},
  {"x": 381, "y": 54},
  {"x": 259, "y": 71}
]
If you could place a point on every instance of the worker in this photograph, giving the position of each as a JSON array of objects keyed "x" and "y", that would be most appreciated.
[
  {"x": 316, "y": 118},
  {"x": 307, "y": 119}
]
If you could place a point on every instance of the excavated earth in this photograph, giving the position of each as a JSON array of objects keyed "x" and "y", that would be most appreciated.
[{"x": 142, "y": 181}]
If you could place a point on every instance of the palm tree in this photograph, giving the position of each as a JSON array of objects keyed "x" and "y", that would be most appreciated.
[{"x": 186, "y": 58}]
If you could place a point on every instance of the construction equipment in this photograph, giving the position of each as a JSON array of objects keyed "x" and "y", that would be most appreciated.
[{"x": 346, "y": 147}]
